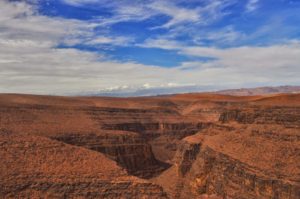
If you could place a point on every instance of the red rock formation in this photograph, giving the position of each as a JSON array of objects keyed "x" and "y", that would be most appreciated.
[
  {"x": 128, "y": 149},
  {"x": 34, "y": 167},
  {"x": 219, "y": 146}
]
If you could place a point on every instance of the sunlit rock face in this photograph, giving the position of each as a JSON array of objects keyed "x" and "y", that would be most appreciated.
[
  {"x": 38, "y": 167},
  {"x": 179, "y": 146}
]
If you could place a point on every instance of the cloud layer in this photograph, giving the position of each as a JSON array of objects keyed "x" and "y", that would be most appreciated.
[{"x": 38, "y": 53}]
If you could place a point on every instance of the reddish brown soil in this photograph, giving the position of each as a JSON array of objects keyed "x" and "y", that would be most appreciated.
[
  {"x": 189, "y": 146},
  {"x": 34, "y": 167}
]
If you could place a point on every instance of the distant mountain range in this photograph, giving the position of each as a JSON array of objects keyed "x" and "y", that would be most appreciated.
[
  {"x": 193, "y": 89},
  {"x": 153, "y": 91},
  {"x": 260, "y": 90}
]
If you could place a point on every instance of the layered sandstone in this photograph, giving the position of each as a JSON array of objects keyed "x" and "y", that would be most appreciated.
[
  {"x": 252, "y": 153},
  {"x": 190, "y": 146},
  {"x": 34, "y": 167},
  {"x": 130, "y": 150}
]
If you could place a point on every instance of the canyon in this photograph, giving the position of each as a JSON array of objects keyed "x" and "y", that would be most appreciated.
[{"x": 198, "y": 145}]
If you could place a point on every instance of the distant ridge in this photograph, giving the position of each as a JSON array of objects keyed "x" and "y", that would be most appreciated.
[
  {"x": 260, "y": 90},
  {"x": 163, "y": 91}
]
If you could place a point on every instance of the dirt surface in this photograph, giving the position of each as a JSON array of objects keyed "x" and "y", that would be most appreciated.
[{"x": 179, "y": 146}]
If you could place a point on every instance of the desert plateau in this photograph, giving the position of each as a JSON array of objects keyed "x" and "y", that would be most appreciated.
[
  {"x": 179, "y": 146},
  {"x": 149, "y": 99}
]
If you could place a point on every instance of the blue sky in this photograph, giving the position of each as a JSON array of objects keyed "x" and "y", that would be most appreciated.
[
  {"x": 102, "y": 46},
  {"x": 223, "y": 24}
]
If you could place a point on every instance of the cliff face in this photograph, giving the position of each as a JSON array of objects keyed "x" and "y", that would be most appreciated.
[
  {"x": 186, "y": 146},
  {"x": 128, "y": 149},
  {"x": 34, "y": 167},
  {"x": 233, "y": 166},
  {"x": 252, "y": 152},
  {"x": 288, "y": 116},
  {"x": 217, "y": 173},
  {"x": 177, "y": 130},
  {"x": 239, "y": 160},
  {"x": 187, "y": 154}
]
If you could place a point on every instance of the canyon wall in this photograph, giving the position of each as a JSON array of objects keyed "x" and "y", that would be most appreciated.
[
  {"x": 180, "y": 146},
  {"x": 37, "y": 167},
  {"x": 128, "y": 149}
]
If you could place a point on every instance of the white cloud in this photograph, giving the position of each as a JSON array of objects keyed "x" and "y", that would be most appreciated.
[
  {"x": 277, "y": 56},
  {"x": 178, "y": 15},
  {"x": 199, "y": 15},
  {"x": 269, "y": 63},
  {"x": 252, "y": 5},
  {"x": 30, "y": 61},
  {"x": 161, "y": 43},
  {"x": 226, "y": 35},
  {"x": 80, "y": 2},
  {"x": 118, "y": 41},
  {"x": 127, "y": 10}
]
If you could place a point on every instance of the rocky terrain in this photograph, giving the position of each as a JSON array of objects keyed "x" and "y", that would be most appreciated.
[
  {"x": 260, "y": 90},
  {"x": 178, "y": 146}
]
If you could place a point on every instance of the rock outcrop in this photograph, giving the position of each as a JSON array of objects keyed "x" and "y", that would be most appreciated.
[
  {"x": 128, "y": 149},
  {"x": 288, "y": 116},
  {"x": 35, "y": 167},
  {"x": 183, "y": 146}
]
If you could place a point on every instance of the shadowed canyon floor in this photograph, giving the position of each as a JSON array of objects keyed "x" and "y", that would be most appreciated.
[{"x": 177, "y": 146}]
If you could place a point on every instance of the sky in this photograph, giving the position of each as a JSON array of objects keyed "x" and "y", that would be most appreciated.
[{"x": 147, "y": 47}]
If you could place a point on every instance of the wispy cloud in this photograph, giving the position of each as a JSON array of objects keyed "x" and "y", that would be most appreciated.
[
  {"x": 264, "y": 62},
  {"x": 79, "y": 2},
  {"x": 178, "y": 15},
  {"x": 118, "y": 41},
  {"x": 252, "y": 5},
  {"x": 180, "y": 19},
  {"x": 126, "y": 10},
  {"x": 31, "y": 61},
  {"x": 161, "y": 43}
]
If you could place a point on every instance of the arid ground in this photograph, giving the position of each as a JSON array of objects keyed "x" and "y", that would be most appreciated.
[{"x": 177, "y": 146}]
